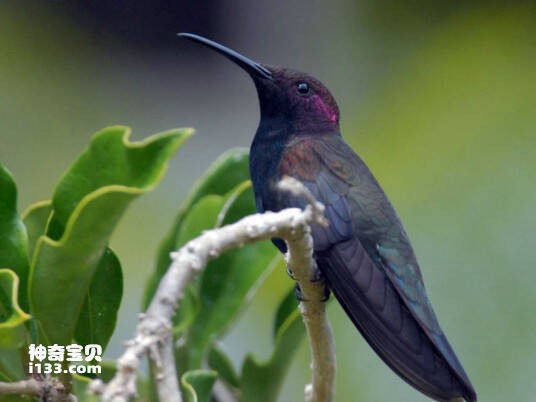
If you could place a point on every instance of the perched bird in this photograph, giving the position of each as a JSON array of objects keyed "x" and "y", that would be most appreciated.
[{"x": 364, "y": 255}]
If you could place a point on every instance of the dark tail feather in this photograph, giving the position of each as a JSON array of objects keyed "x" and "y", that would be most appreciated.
[{"x": 378, "y": 312}]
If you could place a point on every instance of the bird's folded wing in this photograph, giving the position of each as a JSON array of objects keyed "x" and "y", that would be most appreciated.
[{"x": 370, "y": 266}]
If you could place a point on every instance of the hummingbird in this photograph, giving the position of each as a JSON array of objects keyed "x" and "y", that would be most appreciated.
[{"x": 364, "y": 256}]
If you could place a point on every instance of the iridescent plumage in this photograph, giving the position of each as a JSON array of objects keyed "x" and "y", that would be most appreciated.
[
  {"x": 364, "y": 254},
  {"x": 369, "y": 264}
]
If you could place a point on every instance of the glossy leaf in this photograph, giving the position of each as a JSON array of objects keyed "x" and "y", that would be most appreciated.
[
  {"x": 98, "y": 315},
  {"x": 13, "y": 240},
  {"x": 261, "y": 381},
  {"x": 202, "y": 216},
  {"x": 229, "y": 170},
  {"x": 218, "y": 361},
  {"x": 108, "y": 370},
  {"x": 12, "y": 318},
  {"x": 80, "y": 388},
  {"x": 228, "y": 284},
  {"x": 11, "y": 332},
  {"x": 197, "y": 385},
  {"x": 35, "y": 219},
  {"x": 205, "y": 214},
  {"x": 88, "y": 203},
  {"x": 287, "y": 308},
  {"x": 11, "y": 366},
  {"x": 189, "y": 305}
]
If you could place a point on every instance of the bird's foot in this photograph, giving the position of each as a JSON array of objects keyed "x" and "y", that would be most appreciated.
[
  {"x": 326, "y": 294},
  {"x": 290, "y": 273},
  {"x": 299, "y": 295},
  {"x": 318, "y": 277}
]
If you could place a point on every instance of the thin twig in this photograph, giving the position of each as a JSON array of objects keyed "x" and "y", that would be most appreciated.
[
  {"x": 154, "y": 327},
  {"x": 46, "y": 388},
  {"x": 167, "y": 384},
  {"x": 313, "y": 306},
  {"x": 29, "y": 387}
]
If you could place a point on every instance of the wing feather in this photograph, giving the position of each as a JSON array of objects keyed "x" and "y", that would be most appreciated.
[{"x": 369, "y": 264}]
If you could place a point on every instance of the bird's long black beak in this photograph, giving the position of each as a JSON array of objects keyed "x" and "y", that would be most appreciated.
[{"x": 254, "y": 69}]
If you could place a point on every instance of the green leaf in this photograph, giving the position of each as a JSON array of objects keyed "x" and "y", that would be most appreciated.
[
  {"x": 80, "y": 389},
  {"x": 108, "y": 370},
  {"x": 197, "y": 385},
  {"x": 229, "y": 170},
  {"x": 261, "y": 381},
  {"x": 287, "y": 307},
  {"x": 11, "y": 366},
  {"x": 12, "y": 318},
  {"x": 35, "y": 219},
  {"x": 228, "y": 284},
  {"x": 13, "y": 240},
  {"x": 143, "y": 388},
  {"x": 98, "y": 316},
  {"x": 218, "y": 361},
  {"x": 188, "y": 308},
  {"x": 206, "y": 213},
  {"x": 13, "y": 398},
  {"x": 202, "y": 216},
  {"x": 88, "y": 203}
]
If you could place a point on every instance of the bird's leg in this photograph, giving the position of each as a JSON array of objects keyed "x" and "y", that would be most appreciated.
[
  {"x": 298, "y": 293},
  {"x": 327, "y": 292},
  {"x": 317, "y": 278},
  {"x": 297, "y": 290}
]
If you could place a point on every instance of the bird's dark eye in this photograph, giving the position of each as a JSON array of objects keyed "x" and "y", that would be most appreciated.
[{"x": 303, "y": 87}]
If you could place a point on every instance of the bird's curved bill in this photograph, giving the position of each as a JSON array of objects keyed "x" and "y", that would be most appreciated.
[{"x": 253, "y": 68}]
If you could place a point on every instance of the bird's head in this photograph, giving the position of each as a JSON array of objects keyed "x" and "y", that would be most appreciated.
[{"x": 288, "y": 98}]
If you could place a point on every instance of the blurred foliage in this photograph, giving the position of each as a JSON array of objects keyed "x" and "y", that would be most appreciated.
[
  {"x": 12, "y": 317},
  {"x": 13, "y": 243},
  {"x": 86, "y": 207},
  {"x": 228, "y": 171},
  {"x": 75, "y": 281},
  {"x": 225, "y": 288},
  {"x": 75, "y": 284}
]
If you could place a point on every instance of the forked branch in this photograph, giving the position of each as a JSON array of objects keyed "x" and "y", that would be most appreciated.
[{"x": 153, "y": 332}]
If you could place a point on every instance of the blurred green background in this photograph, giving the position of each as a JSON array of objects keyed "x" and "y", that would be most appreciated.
[{"x": 438, "y": 97}]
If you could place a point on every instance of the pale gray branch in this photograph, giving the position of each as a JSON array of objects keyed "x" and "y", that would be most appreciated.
[
  {"x": 26, "y": 387},
  {"x": 165, "y": 372},
  {"x": 313, "y": 309},
  {"x": 154, "y": 328},
  {"x": 46, "y": 388}
]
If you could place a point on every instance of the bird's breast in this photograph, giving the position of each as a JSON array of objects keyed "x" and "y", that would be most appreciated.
[
  {"x": 299, "y": 160},
  {"x": 271, "y": 161}
]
